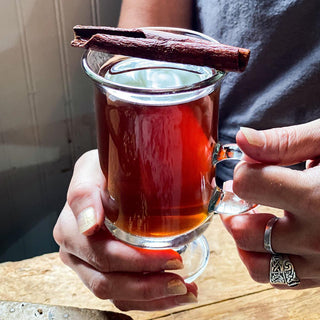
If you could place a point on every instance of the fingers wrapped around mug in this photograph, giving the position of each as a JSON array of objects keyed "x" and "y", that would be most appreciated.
[
  {"x": 133, "y": 278},
  {"x": 134, "y": 290}
]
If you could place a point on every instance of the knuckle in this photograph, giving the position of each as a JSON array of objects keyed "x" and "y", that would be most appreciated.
[
  {"x": 58, "y": 230},
  {"x": 64, "y": 257},
  {"x": 60, "y": 239},
  {"x": 241, "y": 180},
  {"x": 81, "y": 187},
  {"x": 101, "y": 263},
  {"x": 283, "y": 140},
  {"x": 146, "y": 292},
  {"x": 256, "y": 273},
  {"x": 241, "y": 239},
  {"x": 122, "y": 305},
  {"x": 313, "y": 244},
  {"x": 100, "y": 286},
  {"x": 57, "y": 234},
  {"x": 312, "y": 198},
  {"x": 87, "y": 156},
  {"x": 257, "y": 265},
  {"x": 77, "y": 192}
]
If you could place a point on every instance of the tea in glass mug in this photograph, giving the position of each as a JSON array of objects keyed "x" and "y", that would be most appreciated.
[
  {"x": 157, "y": 129},
  {"x": 156, "y": 150}
]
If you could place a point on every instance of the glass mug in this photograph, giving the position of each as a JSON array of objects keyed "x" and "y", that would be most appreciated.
[{"x": 157, "y": 129}]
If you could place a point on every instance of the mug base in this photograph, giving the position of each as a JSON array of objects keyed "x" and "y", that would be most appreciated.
[
  {"x": 195, "y": 257},
  {"x": 154, "y": 243},
  {"x": 192, "y": 247}
]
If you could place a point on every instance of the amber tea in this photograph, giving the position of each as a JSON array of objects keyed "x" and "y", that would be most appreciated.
[{"x": 156, "y": 151}]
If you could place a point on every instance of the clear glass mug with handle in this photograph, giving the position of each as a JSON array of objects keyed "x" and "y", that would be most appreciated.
[{"x": 157, "y": 129}]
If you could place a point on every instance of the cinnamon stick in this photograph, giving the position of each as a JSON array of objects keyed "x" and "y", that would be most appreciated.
[
  {"x": 163, "y": 46},
  {"x": 86, "y": 32}
]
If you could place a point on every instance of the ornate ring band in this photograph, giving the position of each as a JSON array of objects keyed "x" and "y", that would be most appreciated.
[
  {"x": 282, "y": 271},
  {"x": 267, "y": 235}
]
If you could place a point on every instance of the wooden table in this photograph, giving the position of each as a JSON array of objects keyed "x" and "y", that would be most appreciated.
[{"x": 225, "y": 290}]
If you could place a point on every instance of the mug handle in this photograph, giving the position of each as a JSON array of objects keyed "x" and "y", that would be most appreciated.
[{"x": 221, "y": 201}]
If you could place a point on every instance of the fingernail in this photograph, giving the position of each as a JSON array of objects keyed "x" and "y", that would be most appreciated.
[
  {"x": 176, "y": 287},
  {"x": 173, "y": 264},
  {"x": 186, "y": 299},
  {"x": 253, "y": 137},
  {"x": 86, "y": 220}
]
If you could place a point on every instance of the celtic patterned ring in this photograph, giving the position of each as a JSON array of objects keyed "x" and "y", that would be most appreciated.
[{"x": 282, "y": 271}]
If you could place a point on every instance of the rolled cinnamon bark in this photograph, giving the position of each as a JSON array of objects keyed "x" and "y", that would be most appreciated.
[
  {"x": 86, "y": 32},
  {"x": 163, "y": 46}
]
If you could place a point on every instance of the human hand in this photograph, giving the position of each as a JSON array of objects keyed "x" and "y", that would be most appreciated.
[
  {"x": 133, "y": 278},
  {"x": 263, "y": 179}
]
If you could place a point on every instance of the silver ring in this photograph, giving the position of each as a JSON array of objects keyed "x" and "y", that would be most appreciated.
[
  {"x": 282, "y": 271},
  {"x": 267, "y": 235}
]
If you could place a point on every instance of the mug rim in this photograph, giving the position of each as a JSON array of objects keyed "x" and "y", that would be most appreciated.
[{"x": 217, "y": 75}]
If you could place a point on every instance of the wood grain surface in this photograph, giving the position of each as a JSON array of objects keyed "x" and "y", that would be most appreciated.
[{"x": 226, "y": 291}]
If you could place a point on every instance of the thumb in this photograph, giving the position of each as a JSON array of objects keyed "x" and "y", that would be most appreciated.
[
  {"x": 84, "y": 193},
  {"x": 285, "y": 146}
]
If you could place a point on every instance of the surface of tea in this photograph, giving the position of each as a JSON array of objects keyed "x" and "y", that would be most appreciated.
[{"x": 155, "y": 74}]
